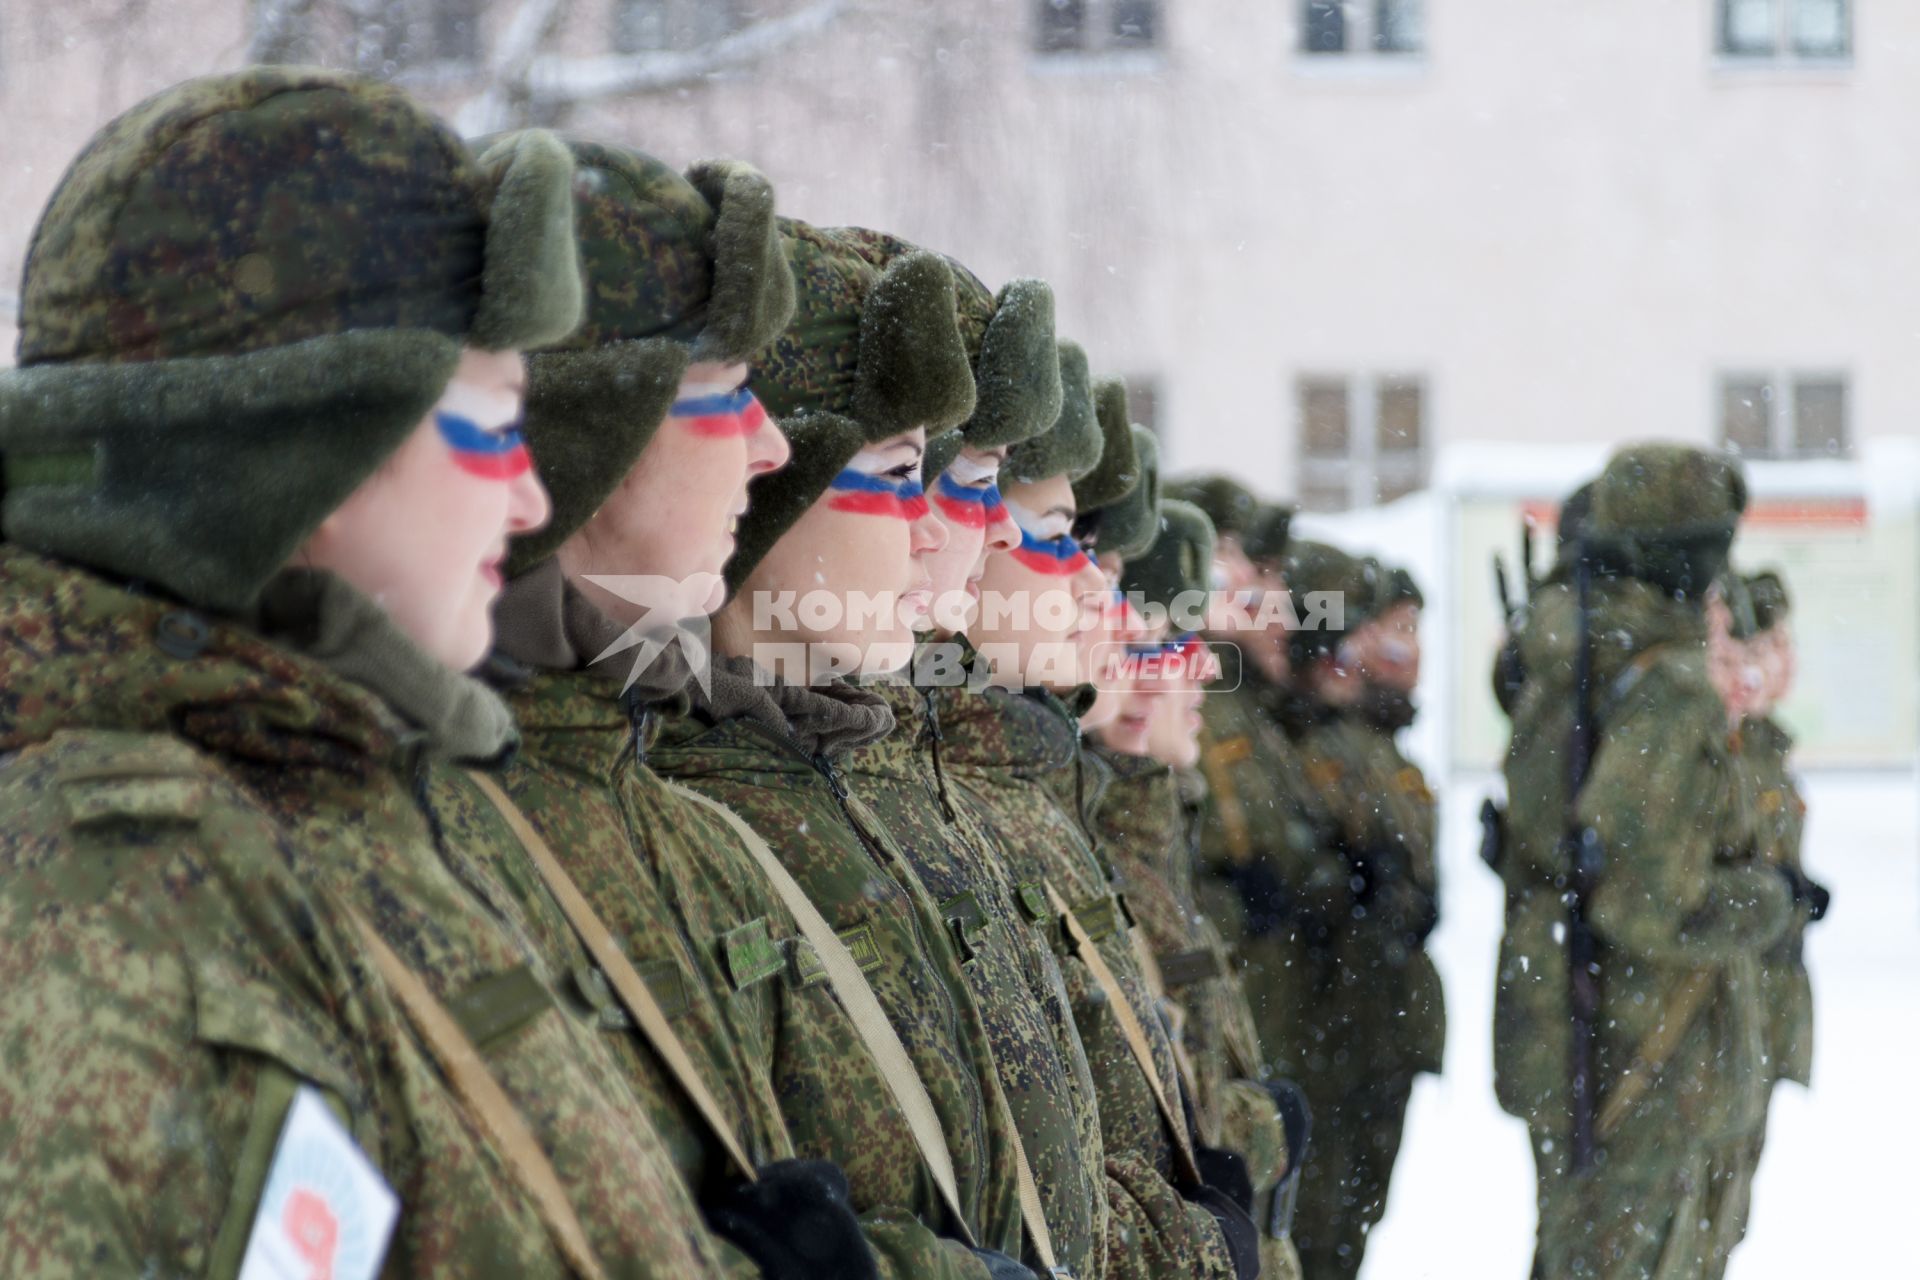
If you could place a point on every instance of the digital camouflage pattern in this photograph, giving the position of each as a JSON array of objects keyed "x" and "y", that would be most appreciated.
[
  {"x": 775, "y": 755},
  {"x": 1147, "y": 821},
  {"x": 1683, "y": 895},
  {"x": 1013, "y": 757},
  {"x": 1374, "y": 1016},
  {"x": 704, "y": 928},
  {"x": 1015, "y": 981},
  {"x": 190, "y": 810}
]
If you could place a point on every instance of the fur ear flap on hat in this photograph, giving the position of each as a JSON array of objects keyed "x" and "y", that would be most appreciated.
[
  {"x": 753, "y": 290},
  {"x": 1018, "y": 373},
  {"x": 823, "y": 443},
  {"x": 531, "y": 295},
  {"x": 1118, "y": 470},
  {"x": 1071, "y": 447},
  {"x": 589, "y": 415},
  {"x": 177, "y": 472},
  {"x": 941, "y": 450},
  {"x": 1180, "y": 560},
  {"x": 913, "y": 368},
  {"x": 1129, "y": 526}
]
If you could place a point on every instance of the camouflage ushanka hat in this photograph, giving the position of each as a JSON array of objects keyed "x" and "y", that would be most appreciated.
[
  {"x": 1229, "y": 504},
  {"x": 677, "y": 269},
  {"x": 1129, "y": 526},
  {"x": 243, "y": 296},
  {"x": 1180, "y": 560},
  {"x": 1118, "y": 472},
  {"x": 1267, "y": 533},
  {"x": 1071, "y": 445},
  {"x": 1314, "y": 569},
  {"x": 1666, "y": 514},
  {"x": 870, "y": 352},
  {"x": 1010, "y": 342}
]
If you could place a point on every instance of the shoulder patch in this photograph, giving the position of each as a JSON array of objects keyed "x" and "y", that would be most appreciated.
[
  {"x": 1325, "y": 773},
  {"x": 1230, "y": 750}
]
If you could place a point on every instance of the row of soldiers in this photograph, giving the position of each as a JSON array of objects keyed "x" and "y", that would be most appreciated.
[
  {"x": 453, "y": 821},
  {"x": 1651, "y": 985}
]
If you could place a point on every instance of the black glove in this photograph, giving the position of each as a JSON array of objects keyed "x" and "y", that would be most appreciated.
[
  {"x": 1243, "y": 1239},
  {"x": 1001, "y": 1267},
  {"x": 795, "y": 1223},
  {"x": 1806, "y": 891},
  {"x": 1226, "y": 1171},
  {"x": 1263, "y": 898}
]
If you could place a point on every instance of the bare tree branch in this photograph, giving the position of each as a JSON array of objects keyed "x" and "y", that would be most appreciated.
[
  {"x": 276, "y": 29},
  {"x": 560, "y": 82},
  {"x": 503, "y": 103}
]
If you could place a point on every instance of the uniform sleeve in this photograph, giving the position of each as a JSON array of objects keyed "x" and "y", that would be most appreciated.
[
  {"x": 110, "y": 1163},
  {"x": 1153, "y": 1231},
  {"x": 1657, "y": 798}
]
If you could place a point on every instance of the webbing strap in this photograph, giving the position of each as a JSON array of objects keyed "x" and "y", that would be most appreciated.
[
  {"x": 1176, "y": 1015},
  {"x": 1033, "y": 1214},
  {"x": 1651, "y": 1055},
  {"x": 487, "y": 1101},
  {"x": 1132, "y": 1031},
  {"x": 635, "y": 996},
  {"x": 862, "y": 1006}
]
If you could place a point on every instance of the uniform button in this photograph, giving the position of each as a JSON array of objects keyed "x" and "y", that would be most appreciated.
[{"x": 182, "y": 635}]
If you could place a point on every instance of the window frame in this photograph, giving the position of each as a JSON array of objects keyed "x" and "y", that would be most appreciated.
[
  {"x": 1784, "y": 54},
  {"x": 1360, "y": 473},
  {"x": 1361, "y": 21},
  {"x": 1783, "y": 385},
  {"x": 1100, "y": 44}
]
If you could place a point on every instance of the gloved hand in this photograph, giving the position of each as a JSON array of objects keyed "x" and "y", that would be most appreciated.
[
  {"x": 796, "y": 1223},
  {"x": 1226, "y": 1171},
  {"x": 1807, "y": 891},
  {"x": 1001, "y": 1267},
  {"x": 1262, "y": 897},
  {"x": 1243, "y": 1238}
]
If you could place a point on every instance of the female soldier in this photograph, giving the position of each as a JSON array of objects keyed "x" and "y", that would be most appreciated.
[
  {"x": 829, "y": 581},
  {"x": 1013, "y": 751},
  {"x": 647, "y": 441},
  {"x": 262, "y": 461}
]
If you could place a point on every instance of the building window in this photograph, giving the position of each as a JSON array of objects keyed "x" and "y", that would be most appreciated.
[
  {"x": 1065, "y": 27},
  {"x": 1786, "y": 30},
  {"x": 651, "y": 26},
  {"x": 1391, "y": 27},
  {"x": 1798, "y": 415},
  {"x": 1362, "y": 440}
]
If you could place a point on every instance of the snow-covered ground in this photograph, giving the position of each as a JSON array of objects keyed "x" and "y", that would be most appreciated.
[{"x": 1841, "y": 1172}]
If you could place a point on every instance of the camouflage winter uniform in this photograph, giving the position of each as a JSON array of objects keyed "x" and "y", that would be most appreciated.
[
  {"x": 1786, "y": 991},
  {"x": 1374, "y": 1016},
  {"x": 1016, "y": 758},
  {"x": 774, "y": 755},
  {"x": 702, "y": 925},
  {"x": 190, "y": 813},
  {"x": 1148, "y": 823},
  {"x": 1015, "y": 982},
  {"x": 1681, "y": 900}
]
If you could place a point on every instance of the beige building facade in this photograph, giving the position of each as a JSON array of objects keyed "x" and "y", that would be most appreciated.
[{"x": 1321, "y": 240}]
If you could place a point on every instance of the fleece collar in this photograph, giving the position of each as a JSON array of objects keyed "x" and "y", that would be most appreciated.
[
  {"x": 820, "y": 720},
  {"x": 322, "y": 678}
]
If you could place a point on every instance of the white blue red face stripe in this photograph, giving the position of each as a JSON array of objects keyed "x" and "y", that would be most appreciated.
[
  {"x": 737, "y": 413},
  {"x": 861, "y": 494},
  {"x": 968, "y": 506},
  {"x": 493, "y": 455},
  {"x": 1182, "y": 655},
  {"x": 1060, "y": 557}
]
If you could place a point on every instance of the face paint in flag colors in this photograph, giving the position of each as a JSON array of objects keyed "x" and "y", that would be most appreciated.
[
  {"x": 720, "y": 416},
  {"x": 963, "y": 500},
  {"x": 864, "y": 488},
  {"x": 1055, "y": 557},
  {"x": 481, "y": 428}
]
